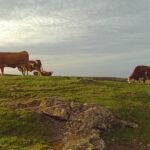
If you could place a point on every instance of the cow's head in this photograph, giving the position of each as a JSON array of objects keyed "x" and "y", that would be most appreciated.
[
  {"x": 130, "y": 79},
  {"x": 31, "y": 66}
]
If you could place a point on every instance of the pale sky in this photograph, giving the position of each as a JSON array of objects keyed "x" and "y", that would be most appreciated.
[{"x": 78, "y": 37}]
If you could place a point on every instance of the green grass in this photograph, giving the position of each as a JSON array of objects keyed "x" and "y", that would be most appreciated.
[{"x": 26, "y": 130}]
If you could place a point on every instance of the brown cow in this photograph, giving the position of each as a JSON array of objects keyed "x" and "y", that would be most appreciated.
[
  {"x": 13, "y": 60},
  {"x": 33, "y": 65},
  {"x": 140, "y": 73}
]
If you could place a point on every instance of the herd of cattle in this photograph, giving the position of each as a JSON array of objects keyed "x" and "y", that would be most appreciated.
[{"x": 21, "y": 61}]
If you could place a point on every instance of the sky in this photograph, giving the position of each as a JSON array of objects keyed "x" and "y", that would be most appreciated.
[{"x": 78, "y": 37}]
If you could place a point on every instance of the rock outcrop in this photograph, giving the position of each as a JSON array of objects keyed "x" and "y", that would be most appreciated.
[
  {"x": 78, "y": 126},
  {"x": 85, "y": 123}
]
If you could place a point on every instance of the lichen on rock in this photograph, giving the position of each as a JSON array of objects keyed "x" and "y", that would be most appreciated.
[{"x": 85, "y": 123}]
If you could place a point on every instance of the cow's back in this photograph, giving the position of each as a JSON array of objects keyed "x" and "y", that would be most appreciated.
[
  {"x": 140, "y": 72},
  {"x": 14, "y": 59}
]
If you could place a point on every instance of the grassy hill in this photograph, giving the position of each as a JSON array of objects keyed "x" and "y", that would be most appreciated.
[{"x": 24, "y": 129}]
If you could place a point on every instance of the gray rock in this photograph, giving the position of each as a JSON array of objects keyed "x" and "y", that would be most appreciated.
[
  {"x": 90, "y": 141},
  {"x": 85, "y": 123},
  {"x": 57, "y": 112}
]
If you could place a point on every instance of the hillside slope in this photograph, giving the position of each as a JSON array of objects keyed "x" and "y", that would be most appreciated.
[{"x": 24, "y": 129}]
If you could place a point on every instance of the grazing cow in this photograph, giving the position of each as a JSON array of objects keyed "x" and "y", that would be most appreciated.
[
  {"x": 34, "y": 65},
  {"x": 13, "y": 60},
  {"x": 140, "y": 73},
  {"x": 43, "y": 73}
]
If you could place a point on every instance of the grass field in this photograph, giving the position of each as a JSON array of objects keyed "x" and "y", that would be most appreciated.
[{"x": 23, "y": 129}]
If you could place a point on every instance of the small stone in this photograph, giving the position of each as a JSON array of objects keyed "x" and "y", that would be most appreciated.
[{"x": 112, "y": 140}]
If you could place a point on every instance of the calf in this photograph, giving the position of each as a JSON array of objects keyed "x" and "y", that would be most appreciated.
[
  {"x": 43, "y": 73},
  {"x": 32, "y": 66}
]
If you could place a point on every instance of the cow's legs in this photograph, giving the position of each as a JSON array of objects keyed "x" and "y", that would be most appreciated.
[
  {"x": 144, "y": 80},
  {"x": 27, "y": 72},
  {"x": 39, "y": 73},
  {"x": 22, "y": 70},
  {"x": 2, "y": 71}
]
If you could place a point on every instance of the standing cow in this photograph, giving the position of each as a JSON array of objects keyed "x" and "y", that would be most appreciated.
[
  {"x": 140, "y": 73},
  {"x": 32, "y": 66},
  {"x": 13, "y": 60}
]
